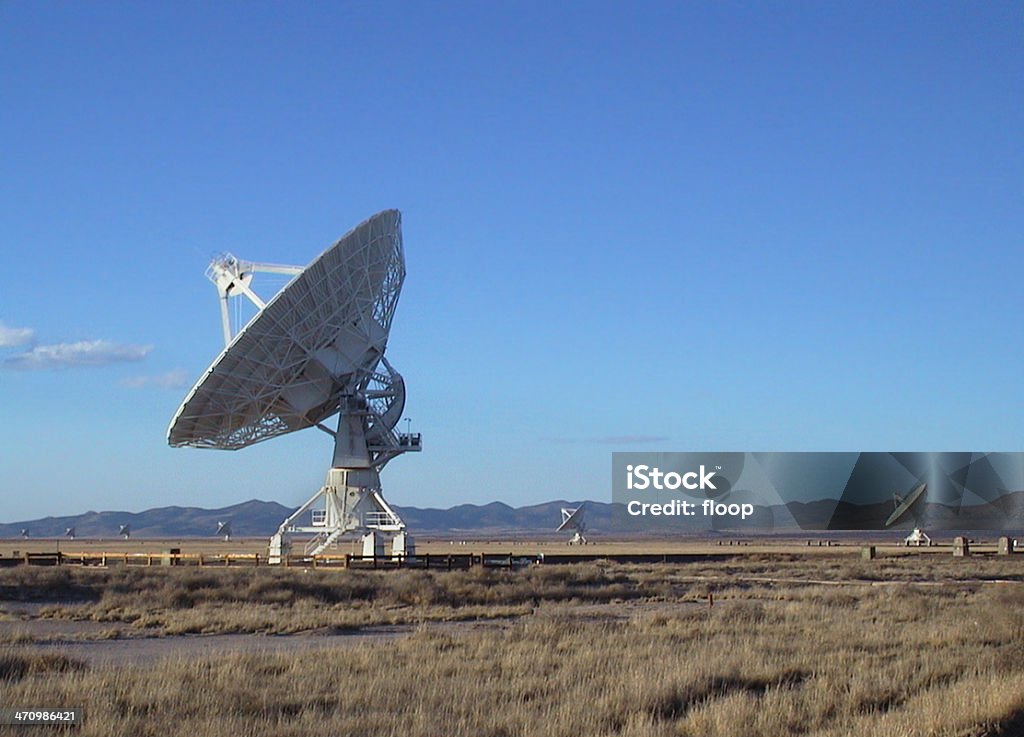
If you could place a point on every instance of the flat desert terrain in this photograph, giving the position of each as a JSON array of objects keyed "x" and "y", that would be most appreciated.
[{"x": 772, "y": 638}]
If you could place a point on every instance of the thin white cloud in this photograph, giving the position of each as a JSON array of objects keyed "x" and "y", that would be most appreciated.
[
  {"x": 615, "y": 440},
  {"x": 10, "y": 337},
  {"x": 82, "y": 353},
  {"x": 629, "y": 439},
  {"x": 173, "y": 379}
]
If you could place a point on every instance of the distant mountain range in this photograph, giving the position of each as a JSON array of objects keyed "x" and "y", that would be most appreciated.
[
  {"x": 247, "y": 519},
  {"x": 261, "y": 519}
]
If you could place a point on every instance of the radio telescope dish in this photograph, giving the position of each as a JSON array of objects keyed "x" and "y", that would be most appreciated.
[
  {"x": 572, "y": 519},
  {"x": 903, "y": 506},
  {"x": 224, "y": 528},
  {"x": 70, "y": 533},
  {"x": 909, "y": 505},
  {"x": 124, "y": 531},
  {"x": 315, "y": 350},
  {"x": 24, "y": 533}
]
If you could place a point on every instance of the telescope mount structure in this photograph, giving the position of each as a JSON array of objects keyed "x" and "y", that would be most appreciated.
[
  {"x": 572, "y": 519},
  {"x": 314, "y": 351}
]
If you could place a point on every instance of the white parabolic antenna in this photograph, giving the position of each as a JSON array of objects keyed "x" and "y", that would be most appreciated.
[
  {"x": 572, "y": 519},
  {"x": 315, "y": 350},
  {"x": 903, "y": 507}
]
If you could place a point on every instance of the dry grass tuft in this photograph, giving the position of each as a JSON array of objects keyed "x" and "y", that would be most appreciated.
[{"x": 18, "y": 664}]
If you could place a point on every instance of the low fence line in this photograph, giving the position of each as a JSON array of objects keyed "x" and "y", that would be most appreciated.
[{"x": 427, "y": 561}]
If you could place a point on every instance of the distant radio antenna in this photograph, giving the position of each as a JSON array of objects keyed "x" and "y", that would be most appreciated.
[
  {"x": 124, "y": 531},
  {"x": 911, "y": 505},
  {"x": 224, "y": 528},
  {"x": 70, "y": 533},
  {"x": 572, "y": 519}
]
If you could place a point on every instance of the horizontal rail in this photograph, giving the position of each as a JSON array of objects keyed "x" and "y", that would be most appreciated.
[
  {"x": 444, "y": 561},
  {"x": 428, "y": 561}
]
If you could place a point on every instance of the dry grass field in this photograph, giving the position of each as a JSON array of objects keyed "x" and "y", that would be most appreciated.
[{"x": 793, "y": 645}]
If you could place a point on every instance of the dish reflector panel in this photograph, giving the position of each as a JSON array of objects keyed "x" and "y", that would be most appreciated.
[
  {"x": 572, "y": 519},
  {"x": 318, "y": 340},
  {"x": 906, "y": 505}
]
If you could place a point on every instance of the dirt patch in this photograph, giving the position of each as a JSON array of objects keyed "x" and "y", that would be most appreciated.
[
  {"x": 144, "y": 651},
  {"x": 148, "y": 650}
]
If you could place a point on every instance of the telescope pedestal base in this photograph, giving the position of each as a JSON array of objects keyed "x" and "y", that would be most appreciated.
[
  {"x": 917, "y": 537},
  {"x": 349, "y": 502}
]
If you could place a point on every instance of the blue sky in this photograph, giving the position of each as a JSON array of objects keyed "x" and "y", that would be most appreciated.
[{"x": 679, "y": 226}]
